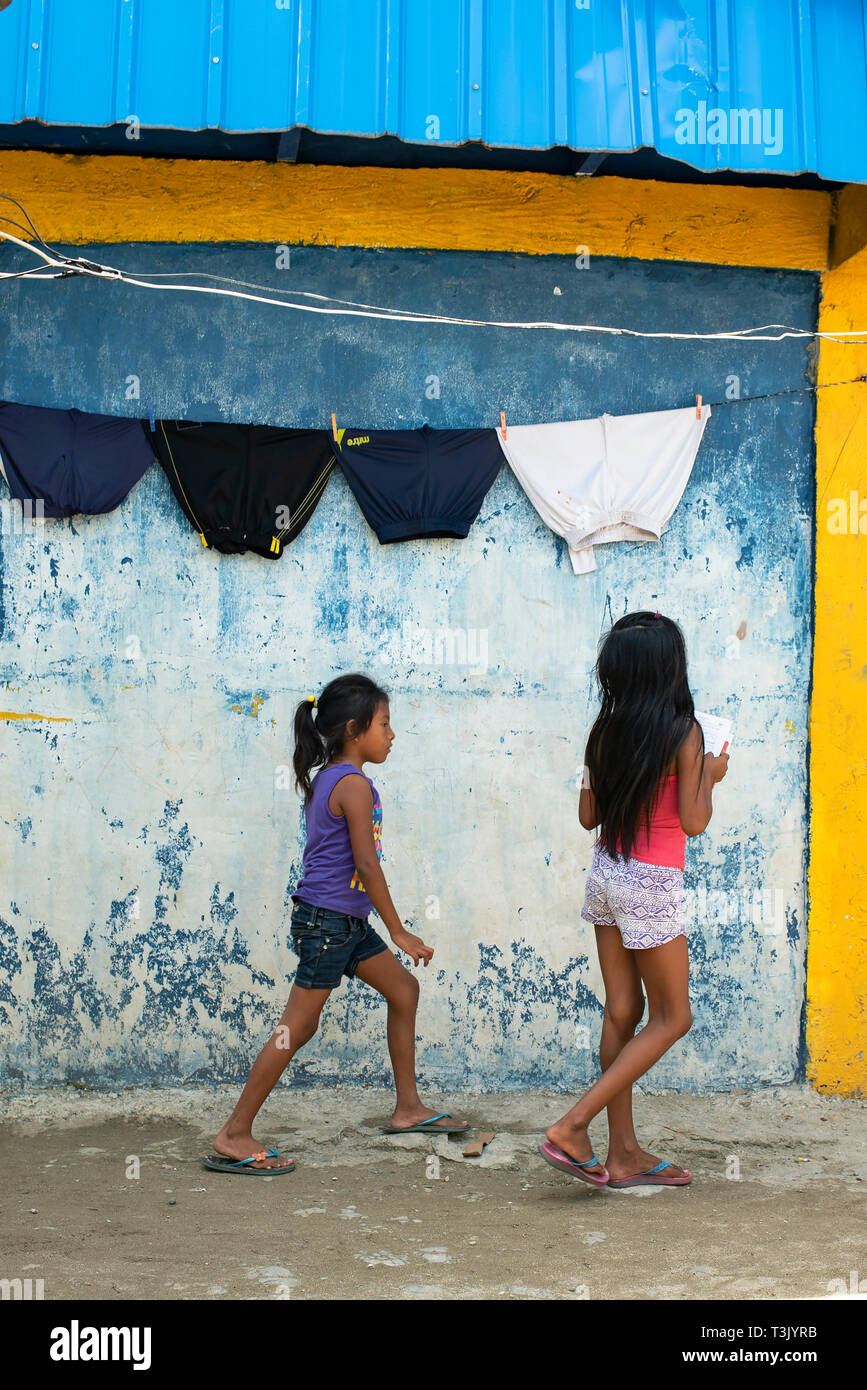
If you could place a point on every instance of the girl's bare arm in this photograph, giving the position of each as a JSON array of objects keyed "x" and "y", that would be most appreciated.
[
  {"x": 353, "y": 798},
  {"x": 696, "y": 777},
  {"x": 587, "y": 813}
]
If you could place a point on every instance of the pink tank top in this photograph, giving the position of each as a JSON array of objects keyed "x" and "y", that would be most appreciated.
[{"x": 667, "y": 841}]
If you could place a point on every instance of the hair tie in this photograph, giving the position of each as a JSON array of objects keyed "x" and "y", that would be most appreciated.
[
  {"x": 311, "y": 699},
  {"x": 657, "y": 615}
]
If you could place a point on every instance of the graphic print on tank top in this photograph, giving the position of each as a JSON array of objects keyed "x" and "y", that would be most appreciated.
[{"x": 356, "y": 882}]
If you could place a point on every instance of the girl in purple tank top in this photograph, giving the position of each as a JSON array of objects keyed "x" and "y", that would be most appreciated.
[
  {"x": 341, "y": 882},
  {"x": 647, "y": 786}
]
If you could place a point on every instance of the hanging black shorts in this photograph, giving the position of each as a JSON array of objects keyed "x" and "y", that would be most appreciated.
[
  {"x": 244, "y": 487},
  {"x": 422, "y": 482}
]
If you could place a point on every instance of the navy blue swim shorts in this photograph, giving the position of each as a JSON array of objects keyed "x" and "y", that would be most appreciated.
[
  {"x": 70, "y": 461},
  {"x": 422, "y": 482}
]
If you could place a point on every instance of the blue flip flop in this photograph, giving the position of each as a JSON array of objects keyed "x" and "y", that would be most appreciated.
[
  {"x": 648, "y": 1179},
  {"x": 220, "y": 1163},
  {"x": 423, "y": 1125}
]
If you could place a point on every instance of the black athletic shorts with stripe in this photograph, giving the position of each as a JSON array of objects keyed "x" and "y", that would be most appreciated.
[{"x": 244, "y": 487}]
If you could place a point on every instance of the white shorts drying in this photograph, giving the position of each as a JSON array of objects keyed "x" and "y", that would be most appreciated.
[{"x": 618, "y": 478}]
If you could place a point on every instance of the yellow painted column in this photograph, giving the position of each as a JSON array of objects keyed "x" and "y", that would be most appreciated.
[{"x": 837, "y": 938}]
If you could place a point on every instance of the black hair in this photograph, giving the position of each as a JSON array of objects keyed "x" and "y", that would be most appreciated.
[
  {"x": 319, "y": 735},
  {"x": 647, "y": 713}
]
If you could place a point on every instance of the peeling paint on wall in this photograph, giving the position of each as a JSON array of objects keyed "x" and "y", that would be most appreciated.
[{"x": 143, "y": 933}]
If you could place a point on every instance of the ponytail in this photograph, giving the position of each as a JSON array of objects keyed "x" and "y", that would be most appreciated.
[
  {"x": 319, "y": 739},
  {"x": 309, "y": 748}
]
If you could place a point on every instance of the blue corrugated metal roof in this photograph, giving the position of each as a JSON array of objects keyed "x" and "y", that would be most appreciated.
[{"x": 607, "y": 75}]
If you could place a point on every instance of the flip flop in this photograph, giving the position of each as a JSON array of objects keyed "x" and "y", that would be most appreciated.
[
  {"x": 426, "y": 1125},
  {"x": 646, "y": 1179},
  {"x": 222, "y": 1164},
  {"x": 558, "y": 1159}
]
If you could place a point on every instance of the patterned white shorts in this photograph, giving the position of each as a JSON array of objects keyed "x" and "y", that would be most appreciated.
[{"x": 645, "y": 901}]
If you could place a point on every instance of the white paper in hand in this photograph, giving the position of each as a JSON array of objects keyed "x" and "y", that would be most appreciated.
[{"x": 716, "y": 730}]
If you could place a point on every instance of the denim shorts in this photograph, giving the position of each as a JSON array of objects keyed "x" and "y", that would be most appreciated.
[
  {"x": 330, "y": 945},
  {"x": 646, "y": 901}
]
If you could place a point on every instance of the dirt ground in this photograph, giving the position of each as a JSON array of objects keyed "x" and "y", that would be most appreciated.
[{"x": 775, "y": 1209}]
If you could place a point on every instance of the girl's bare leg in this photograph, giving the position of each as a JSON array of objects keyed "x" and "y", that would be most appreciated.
[
  {"x": 664, "y": 971},
  {"x": 296, "y": 1027},
  {"x": 624, "y": 1009},
  {"x": 400, "y": 989}
]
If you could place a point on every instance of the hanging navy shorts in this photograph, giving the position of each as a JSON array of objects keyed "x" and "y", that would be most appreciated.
[
  {"x": 244, "y": 487},
  {"x": 422, "y": 482},
  {"x": 70, "y": 461}
]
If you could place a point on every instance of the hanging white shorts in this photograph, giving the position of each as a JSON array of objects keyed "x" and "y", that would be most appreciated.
[{"x": 617, "y": 478}]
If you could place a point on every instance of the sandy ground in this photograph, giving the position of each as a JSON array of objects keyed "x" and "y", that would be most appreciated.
[{"x": 775, "y": 1210}]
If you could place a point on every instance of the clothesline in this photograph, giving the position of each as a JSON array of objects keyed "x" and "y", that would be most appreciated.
[
  {"x": 789, "y": 391},
  {"x": 255, "y": 487},
  {"x": 62, "y": 267}
]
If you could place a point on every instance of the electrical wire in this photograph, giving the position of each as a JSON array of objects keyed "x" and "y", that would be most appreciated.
[
  {"x": 62, "y": 266},
  {"x": 9, "y": 199}
]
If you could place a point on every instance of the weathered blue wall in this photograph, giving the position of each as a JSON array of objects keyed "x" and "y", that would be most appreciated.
[{"x": 149, "y": 843}]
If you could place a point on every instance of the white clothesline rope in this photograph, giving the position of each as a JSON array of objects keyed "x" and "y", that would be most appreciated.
[{"x": 60, "y": 266}]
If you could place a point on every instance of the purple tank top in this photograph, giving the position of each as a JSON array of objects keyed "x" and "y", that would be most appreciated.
[{"x": 328, "y": 875}]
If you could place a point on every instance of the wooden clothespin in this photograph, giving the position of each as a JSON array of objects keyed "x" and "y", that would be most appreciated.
[
  {"x": 503, "y": 423},
  {"x": 697, "y": 408},
  {"x": 334, "y": 424}
]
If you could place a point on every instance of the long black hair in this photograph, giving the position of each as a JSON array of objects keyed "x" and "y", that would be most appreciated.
[
  {"x": 319, "y": 733},
  {"x": 647, "y": 712}
]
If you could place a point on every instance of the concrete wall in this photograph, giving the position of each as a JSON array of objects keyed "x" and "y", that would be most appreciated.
[{"x": 149, "y": 836}]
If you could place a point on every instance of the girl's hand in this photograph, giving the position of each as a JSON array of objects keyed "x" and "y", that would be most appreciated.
[
  {"x": 719, "y": 764},
  {"x": 413, "y": 945}
]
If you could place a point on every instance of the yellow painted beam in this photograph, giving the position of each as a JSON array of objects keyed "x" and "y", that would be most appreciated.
[
  {"x": 837, "y": 937},
  {"x": 120, "y": 198}
]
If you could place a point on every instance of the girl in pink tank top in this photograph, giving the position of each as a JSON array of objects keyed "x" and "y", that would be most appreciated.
[
  {"x": 647, "y": 786},
  {"x": 665, "y": 842}
]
